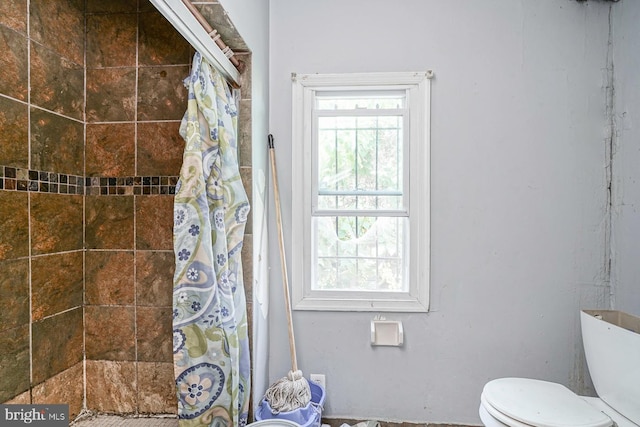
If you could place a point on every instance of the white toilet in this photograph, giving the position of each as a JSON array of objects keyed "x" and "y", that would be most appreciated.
[{"x": 612, "y": 348}]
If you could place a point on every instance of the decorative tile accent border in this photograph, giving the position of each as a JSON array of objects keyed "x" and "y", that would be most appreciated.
[
  {"x": 136, "y": 185},
  {"x": 19, "y": 179}
]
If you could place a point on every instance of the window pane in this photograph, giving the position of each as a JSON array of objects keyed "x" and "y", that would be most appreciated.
[
  {"x": 364, "y": 160},
  {"x": 359, "y": 253},
  {"x": 389, "y": 170},
  {"x": 336, "y": 161}
]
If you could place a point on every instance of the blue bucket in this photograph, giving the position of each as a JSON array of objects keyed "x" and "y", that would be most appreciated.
[{"x": 308, "y": 416}]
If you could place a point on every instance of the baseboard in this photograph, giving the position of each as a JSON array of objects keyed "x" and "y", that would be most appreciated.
[{"x": 337, "y": 422}]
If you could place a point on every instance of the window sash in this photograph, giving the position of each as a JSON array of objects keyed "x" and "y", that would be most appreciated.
[
  {"x": 386, "y": 255},
  {"x": 404, "y": 113}
]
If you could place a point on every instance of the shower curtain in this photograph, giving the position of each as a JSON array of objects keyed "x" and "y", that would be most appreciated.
[{"x": 210, "y": 338}]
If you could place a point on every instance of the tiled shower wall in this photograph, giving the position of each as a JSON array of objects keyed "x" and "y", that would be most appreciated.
[
  {"x": 41, "y": 201},
  {"x": 135, "y": 100},
  {"x": 89, "y": 158}
]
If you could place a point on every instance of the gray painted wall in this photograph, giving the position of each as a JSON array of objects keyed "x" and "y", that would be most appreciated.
[
  {"x": 520, "y": 148},
  {"x": 519, "y": 200},
  {"x": 626, "y": 166}
]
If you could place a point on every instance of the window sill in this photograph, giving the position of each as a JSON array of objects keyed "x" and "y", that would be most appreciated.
[{"x": 408, "y": 305}]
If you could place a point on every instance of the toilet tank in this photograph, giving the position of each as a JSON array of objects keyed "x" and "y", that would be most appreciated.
[{"x": 612, "y": 348}]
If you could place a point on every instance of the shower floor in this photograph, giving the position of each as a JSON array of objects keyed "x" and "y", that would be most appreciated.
[{"x": 117, "y": 421}]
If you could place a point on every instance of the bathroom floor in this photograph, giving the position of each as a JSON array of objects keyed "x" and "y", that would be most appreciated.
[{"x": 118, "y": 421}]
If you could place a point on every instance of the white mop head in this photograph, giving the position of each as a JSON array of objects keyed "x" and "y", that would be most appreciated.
[{"x": 289, "y": 393}]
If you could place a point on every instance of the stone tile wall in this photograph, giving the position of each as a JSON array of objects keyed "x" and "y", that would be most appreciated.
[
  {"x": 87, "y": 173},
  {"x": 41, "y": 231},
  {"x": 135, "y": 100}
]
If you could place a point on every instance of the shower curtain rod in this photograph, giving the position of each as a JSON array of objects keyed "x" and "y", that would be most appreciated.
[
  {"x": 189, "y": 22},
  {"x": 214, "y": 35}
]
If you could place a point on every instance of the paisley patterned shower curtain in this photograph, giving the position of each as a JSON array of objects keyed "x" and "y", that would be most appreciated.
[{"x": 210, "y": 339}]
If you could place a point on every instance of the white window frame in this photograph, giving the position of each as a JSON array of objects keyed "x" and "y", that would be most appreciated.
[{"x": 305, "y": 87}]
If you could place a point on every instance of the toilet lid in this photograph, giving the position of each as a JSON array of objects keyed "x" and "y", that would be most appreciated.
[{"x": 542, "y": 404}]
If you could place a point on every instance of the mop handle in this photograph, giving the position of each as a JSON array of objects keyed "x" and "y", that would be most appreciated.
[{"x": 283, "y": 263}]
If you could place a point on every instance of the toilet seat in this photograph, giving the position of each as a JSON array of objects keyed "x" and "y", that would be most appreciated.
[
  {"x": 495, "y": 415},
  {"x": 521, "y": 402}
]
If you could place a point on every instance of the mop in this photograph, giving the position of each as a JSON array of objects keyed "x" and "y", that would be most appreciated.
[{"x": 290, "y": 392}]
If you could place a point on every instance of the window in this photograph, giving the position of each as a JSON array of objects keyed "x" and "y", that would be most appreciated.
[{"x": 361, "y": 192}]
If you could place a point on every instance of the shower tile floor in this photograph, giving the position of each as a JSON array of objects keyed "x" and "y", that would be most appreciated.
[{"x": 118, "y": 421}]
